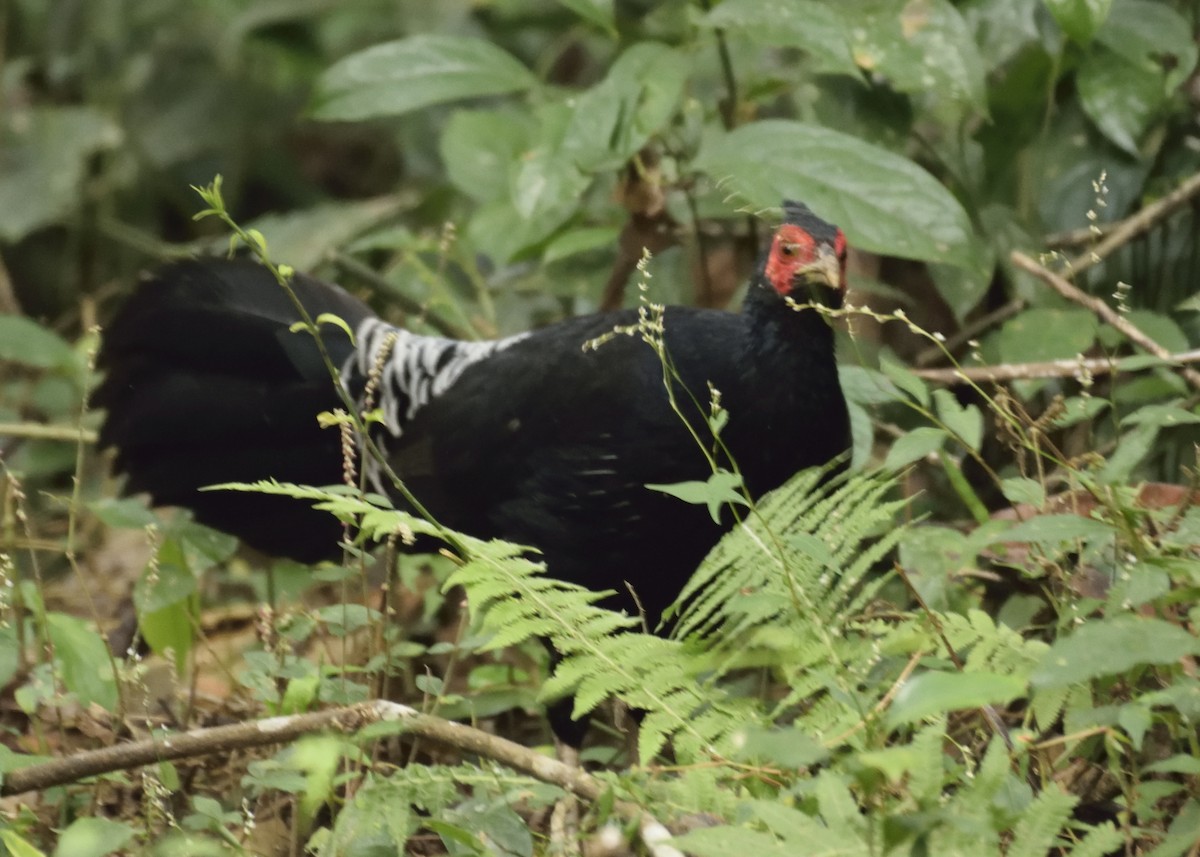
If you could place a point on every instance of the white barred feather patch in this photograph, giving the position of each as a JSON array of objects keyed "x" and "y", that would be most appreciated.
[{"x": 418, "y": 369}]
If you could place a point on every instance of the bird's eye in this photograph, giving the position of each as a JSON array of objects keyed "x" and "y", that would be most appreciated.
[{"x": 788, "y": 249}]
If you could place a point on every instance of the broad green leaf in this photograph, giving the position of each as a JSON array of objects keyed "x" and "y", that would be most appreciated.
[
  {"x": 1163, "y": 416},
  {"x": 580, "y": 241},
  {"x": 720, "y": 488},
  {"x": 162, "y": 596},
  {"x": 1153, "y": 35},
  {"x": 1136, "y": 720},
  {"x": 905, "y": 380},
  {"x": 122, "y": 513},
  {"x": 1159, "y": 327},
  {"x": 1080, "y": 19},
  {"x": 938, "y": 692},
  {"x": 1002, "y": 28},
  {"x": 868, "y": 387},
  {"x": 819, "y": 29},
  {"x": 1019, "y": 489},
  {"x": 18, "y": 846},
  {"x": 1119, "y": 96},
  {"x": 1046, "y": 334},
  {"x": 305, "y": 237},
  {"x": 83, "y": 654},
  {"x": 28, "y": 343},
  {"x": 1133, "y": 447},
  {"x": 169, "y": 630},
  {"x": 93, "y": 837},
  {"x": 613, "y": 120},
  {"x": 10, "y": 660},
  {"x": 921, "y": 47},
  {"x": 1056, "y": 528},
  {"x": 1147, "y": 53},
  {"x": 479, "y": 148},
  {"x": 43, "y": 154},
  {"x": 1179, "y": 764},
  {"x": 966, "y": 421},
  {"x": 598, "y": 12},
  {"x": 885, "y": 203},
  {"x": 892, "y": 762},
  {"x": 914, "y": 446},
  {"x": 1110, "y": 646},
  {"x": 397, "y": 77}
]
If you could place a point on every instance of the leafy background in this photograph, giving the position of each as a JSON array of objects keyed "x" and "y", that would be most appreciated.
[{"x": 478, "y": 168}]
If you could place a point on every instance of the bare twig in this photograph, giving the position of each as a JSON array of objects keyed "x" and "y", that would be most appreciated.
[
  {"x": 9, "y": 305},
  {"x": 1047, "y": 369},
  {"x": 40, "y": 431},
  {"x": 280, "y": 730},
  {"x": 1132, "y": 227},
  {"x": 352, "y": 718},
  {"x": 729, "y": 107},
  {"x": 972, "y": 330},
  {"x": 1100, "y": 308},
  {"x": 1075, "y": 237}
]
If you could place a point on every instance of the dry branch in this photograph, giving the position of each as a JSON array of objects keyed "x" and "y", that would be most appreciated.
[
  {"x": 280, "y": 730},
  {"x": 41, "y": 431},
  {"x": 1049, "y": 369},
  {"x": 1130, "y": 228},
  {"x": 1103, "y": 310}
]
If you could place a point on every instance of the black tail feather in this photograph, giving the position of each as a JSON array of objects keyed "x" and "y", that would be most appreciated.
[{"x": 205, "y": 383}]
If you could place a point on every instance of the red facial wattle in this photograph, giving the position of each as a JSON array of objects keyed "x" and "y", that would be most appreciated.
[{"x": 794, "y": 251}]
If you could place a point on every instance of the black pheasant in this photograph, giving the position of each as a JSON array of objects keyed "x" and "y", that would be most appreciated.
[{"x": 530, "y": 438}]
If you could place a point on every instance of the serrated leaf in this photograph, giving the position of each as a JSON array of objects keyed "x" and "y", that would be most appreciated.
[
  {"x": 1110, "y": 646},
  {"x": 938, "y": 692},
  {"x": 401, "y": 76},
  {"x": 884, "y": 203},
  {"x": 914, "y": 446}
]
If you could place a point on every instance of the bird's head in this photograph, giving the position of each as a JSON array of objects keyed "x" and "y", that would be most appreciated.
[{"x": 807, "y": 258}]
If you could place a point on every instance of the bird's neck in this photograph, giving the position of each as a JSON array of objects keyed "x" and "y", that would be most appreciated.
[{"x": 782, "y": 328}]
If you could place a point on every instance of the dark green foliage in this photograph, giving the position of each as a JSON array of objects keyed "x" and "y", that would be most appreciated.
[{"x": 1041, "y": 699}]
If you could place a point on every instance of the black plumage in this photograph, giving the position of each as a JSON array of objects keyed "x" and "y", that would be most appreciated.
[{"x": 534, "y": 439}]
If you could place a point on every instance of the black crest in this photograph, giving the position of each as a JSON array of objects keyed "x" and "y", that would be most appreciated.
[{"x": 799, "y": 214}]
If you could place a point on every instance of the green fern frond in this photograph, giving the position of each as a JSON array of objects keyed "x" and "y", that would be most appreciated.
[
  {"x": 1037, "y": 831},
  {"x": 794, "y": 560},
  {"x": 986, "y": 645}
]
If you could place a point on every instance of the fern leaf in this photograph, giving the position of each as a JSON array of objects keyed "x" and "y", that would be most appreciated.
[{"x": 1037, "y": 831}]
